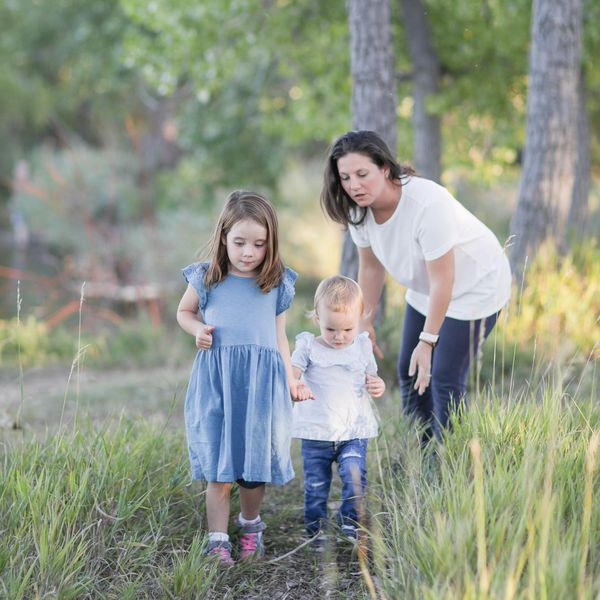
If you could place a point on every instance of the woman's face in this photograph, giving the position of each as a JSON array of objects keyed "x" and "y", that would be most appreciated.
[{"x": 361, "y": 178}]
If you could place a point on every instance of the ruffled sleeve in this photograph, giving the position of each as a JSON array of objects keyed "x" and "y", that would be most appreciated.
[
  {"x": 301, "y": 353},
  {"x": 366, "y": 352},
  {"x": 194, "y": 275},
  {"x": 286, "y": 290}
]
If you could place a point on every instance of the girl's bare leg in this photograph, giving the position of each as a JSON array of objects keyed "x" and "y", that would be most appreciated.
[
  {"x": 217, "y": 506},
  {"x": 250, "y": 501}
]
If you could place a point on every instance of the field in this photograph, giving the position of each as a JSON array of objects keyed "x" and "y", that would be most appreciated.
[{"x": 96, "y": 500}]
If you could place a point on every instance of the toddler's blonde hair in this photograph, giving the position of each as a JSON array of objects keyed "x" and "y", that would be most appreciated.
[{"x": 339, "y": 294}]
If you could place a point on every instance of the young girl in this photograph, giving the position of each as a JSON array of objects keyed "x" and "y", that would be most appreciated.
[
  {"x": 238, "y": 410},
  {"x": 339, "y": 372}
]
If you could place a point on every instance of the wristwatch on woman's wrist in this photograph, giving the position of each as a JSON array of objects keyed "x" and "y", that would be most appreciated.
[{"x": 429, "y": 338}]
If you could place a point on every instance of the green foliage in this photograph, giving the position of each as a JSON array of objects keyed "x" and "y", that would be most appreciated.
[
  {"x": 87, "y": 204},
  {"x": 559, "y": 308},
  {"x": 26, "y": 340},
  {"x": 262, "y": 79}
]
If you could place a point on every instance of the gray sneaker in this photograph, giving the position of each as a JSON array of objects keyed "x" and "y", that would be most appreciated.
[
  {"x": 221, "y": 551},
  {"x": 251, "y": 541}
]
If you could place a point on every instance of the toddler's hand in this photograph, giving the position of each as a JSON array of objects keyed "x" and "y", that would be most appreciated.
[
  {"x": 375, "y": 385},
  {"x": 300, "y": 391},
  {"x": 204, "y": 336}
]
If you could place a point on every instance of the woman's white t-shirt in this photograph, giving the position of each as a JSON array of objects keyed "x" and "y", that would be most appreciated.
[
  {"x": 426, "y": 224},
  {"x": 342, "y": 408}
]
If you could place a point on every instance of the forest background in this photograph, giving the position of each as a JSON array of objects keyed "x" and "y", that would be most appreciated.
[{"x": 126, "y": 123}]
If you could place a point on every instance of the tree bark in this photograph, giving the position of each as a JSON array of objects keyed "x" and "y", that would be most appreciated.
[
  {"x": 426, "y": 83},
  {"x": 551, "y": 144},
  {"x": 373, "y": 85},
  {"x": 579, "y": 211}
]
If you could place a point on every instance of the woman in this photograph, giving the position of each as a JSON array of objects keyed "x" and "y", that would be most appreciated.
[{"x": 456, "y": 272}]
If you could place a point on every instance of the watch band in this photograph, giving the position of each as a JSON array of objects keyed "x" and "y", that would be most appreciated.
[{"x": 429, "y": 338}]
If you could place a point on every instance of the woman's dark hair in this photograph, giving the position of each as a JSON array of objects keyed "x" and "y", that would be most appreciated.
[{"x": 334, "y": 200}]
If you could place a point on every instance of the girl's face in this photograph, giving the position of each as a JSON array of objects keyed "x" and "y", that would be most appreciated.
[
  {"x": 361, "y": 178},
  {"x": 246, "y": 245},
  {"x": 338, "y": 328}
]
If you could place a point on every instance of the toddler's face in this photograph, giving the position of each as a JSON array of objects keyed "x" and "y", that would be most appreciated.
[
  {"x": 246, "y": 247},
  {"x": 338, "y": 328}
]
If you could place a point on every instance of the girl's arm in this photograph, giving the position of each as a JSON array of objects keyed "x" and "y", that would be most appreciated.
[
  {"x": 284, "y": 349},
  {"x": 303, "y": 392},
  {"x": 371, "y": 277},
  {"x": 441, "y": 280},
  {"x": 190, "y": 319}
]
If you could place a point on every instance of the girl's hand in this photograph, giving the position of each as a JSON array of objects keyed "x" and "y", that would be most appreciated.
[
  {"x": 420, "y": 363},
  {"x": 204, "y": 338},
  {"x": 375, "y": 386},
  {"x": 300, "y": 391},
  {"x": 368, "y": 327}
]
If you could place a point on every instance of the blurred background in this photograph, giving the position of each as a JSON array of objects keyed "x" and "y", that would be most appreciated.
[{"x": 125, "y": 124}]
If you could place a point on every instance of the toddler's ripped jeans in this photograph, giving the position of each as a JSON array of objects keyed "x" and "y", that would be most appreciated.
[{"x": 318, "y": 458}]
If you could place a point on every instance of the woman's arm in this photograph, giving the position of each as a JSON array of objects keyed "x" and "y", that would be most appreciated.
[
  {"x": 441, "y": 280},
  {"x": 371, "y": 277},
  {"x": 190, "y": 319}
]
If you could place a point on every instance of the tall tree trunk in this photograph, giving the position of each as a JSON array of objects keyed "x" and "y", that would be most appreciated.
[
  {"x": 373, "y": 85},
  {"x": 426, "y": 83},
  {"x": 579, "y": 212},
  {"x": 551, "y": 144}
]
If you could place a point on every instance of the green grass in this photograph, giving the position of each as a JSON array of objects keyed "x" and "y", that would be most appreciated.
[
  {"x": 502, "y": 509},
  {"x": 507, "y": 507}
]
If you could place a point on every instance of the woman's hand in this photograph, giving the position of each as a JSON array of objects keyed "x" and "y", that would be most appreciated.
[
  {"x": 375, "y": 385},
  {"x": 300, "y": 391},
  {"x": 204, "y": 338},
  {"x": 368, "y": 327},
  {"x": 420, "y": 363}
]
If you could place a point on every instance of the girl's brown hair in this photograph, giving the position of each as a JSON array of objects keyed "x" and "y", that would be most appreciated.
[
  {"x": 241, "y": 205},
  {"x": 334, "y": 200}
]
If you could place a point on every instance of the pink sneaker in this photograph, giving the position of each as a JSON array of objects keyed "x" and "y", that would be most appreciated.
[
  {"x": 251, "y": 541},
  {"x": 221, "y": 551}
]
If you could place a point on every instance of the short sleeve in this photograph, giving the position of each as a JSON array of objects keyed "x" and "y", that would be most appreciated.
[
  {"x": 366, "y": 353},
  {"x": 194, "y": 275},
  {"x": 437, "y": 229},
  {"x": 301, "y": 353},
  {"x": 286, "y": 290},
  {"x": 359, "y": 235}
]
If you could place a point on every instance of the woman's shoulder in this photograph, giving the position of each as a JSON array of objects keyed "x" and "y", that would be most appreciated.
[{"x": 424, "y": 192}]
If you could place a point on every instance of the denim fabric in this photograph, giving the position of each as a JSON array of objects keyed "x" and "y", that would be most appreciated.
[
  {"x": 318, "y": 458},
  {"x": 458, "y": 346}
]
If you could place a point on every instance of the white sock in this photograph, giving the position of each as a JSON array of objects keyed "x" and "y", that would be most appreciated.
[
  {"x": 217, "y": 536},
  {"x": 248, "y": 521}
]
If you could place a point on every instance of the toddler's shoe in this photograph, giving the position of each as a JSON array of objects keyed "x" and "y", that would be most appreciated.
[
  {"x": 348, "y": 533},
  {"x": 319, "y": 541},
  {"x": 251, "y": 541},
  {"x": 221, "y": 551}
]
